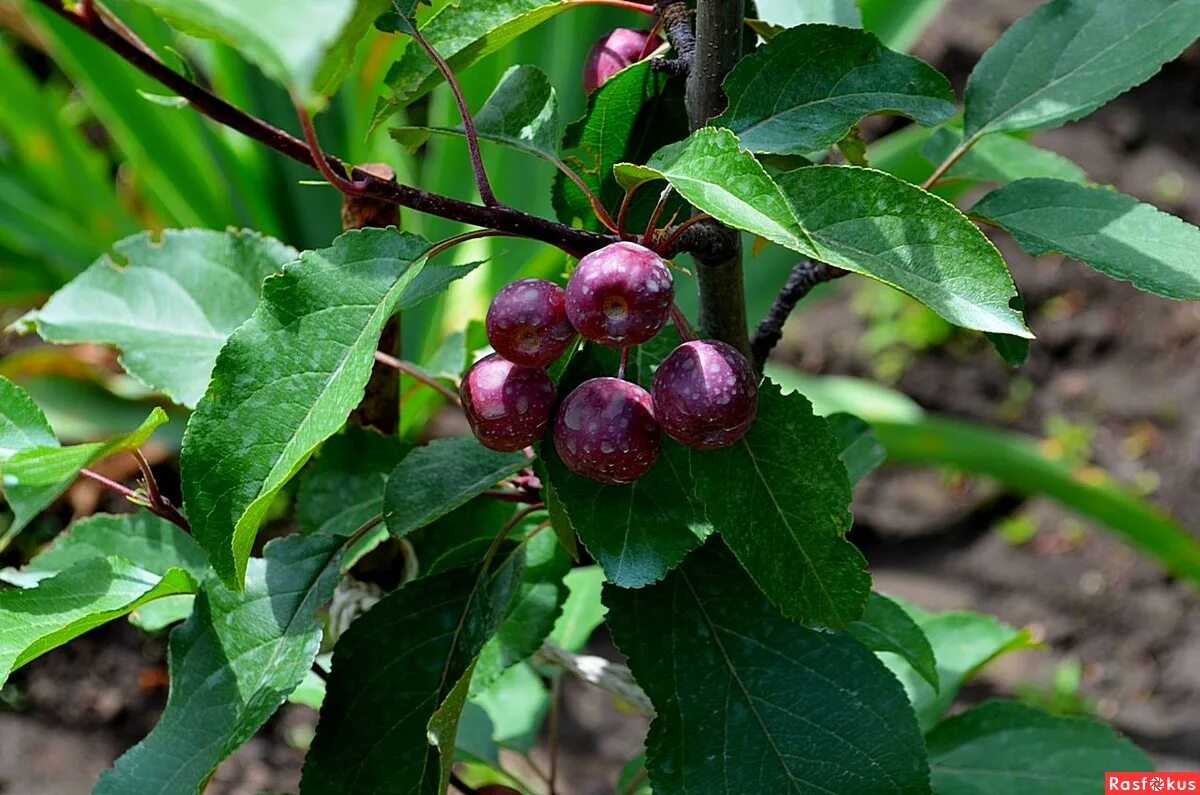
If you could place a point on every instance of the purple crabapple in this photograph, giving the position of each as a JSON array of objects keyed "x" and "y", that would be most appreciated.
[
  {"x": 527, "y": 323},
  {"x": 612, "y": 53},
  {"x": 605, "y": 430},
  {"x": 620, "y": 295},
  {"x": 507, "y": 406},
  {"x": 705, "y": 394}
]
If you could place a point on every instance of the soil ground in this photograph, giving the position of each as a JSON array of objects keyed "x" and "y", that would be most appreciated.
[{"x": 1116, "y": 363}]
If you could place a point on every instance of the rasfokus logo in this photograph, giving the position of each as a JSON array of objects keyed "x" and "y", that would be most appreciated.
[{"x": 1164, "y": 781}]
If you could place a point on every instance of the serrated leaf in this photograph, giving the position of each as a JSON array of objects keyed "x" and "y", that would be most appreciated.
[
  {"x": 628, "y": 118},
  {"x": 858, "y": 219},
  {"x": 749, "y": 701},
  {"x": 92, "y": 592},
  {"x": 22, "y": 423},
  {"x": 522, "y": 113},
  {"x": 883, "y": 227},
  {"x": 886, "y": 627},
  {"x": 150, "y": 542},
  {"x": 1000, "y": 158},
  {"x": 1113, "y": 233},
  {"x": 860, "y": 450},
  {"x": 305, "y": 45},
  {"x": 639, "y": 531},
  {"x": 345, "y": 487},
  {"x": 962, "y": 642},
  {"x": 287, "y": 379},
  {"x": 806, "y": 89},
  {"x": 463, "y": 33},
  {"x": 583, "y": 611},
  {"x": 393, "y": 670},
  {"x": 1068, "y": 57},
  {"x": 780, "y": 499},
  {"x": 168, "y": 304},
  {"x": 532, "y": 614},
  {"x": 232, "y": 664},
  {"x": 1001, "y": 746},
  {"x": 35, "y": 476},
  {"x": 445, "y": 474}
]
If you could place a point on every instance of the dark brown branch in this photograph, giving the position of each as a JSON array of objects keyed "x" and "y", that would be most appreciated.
[
  {"x": 676, "y": 21},
  {"x": 805, "y": 275},
  {"x": 508, "y": 219}
]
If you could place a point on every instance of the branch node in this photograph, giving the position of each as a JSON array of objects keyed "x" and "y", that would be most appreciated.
[{"x": 677, "y": 23}]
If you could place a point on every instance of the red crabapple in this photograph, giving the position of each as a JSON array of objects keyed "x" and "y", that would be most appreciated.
[
  {"x": 527, "y": 323},
  {"x": 620, "y": 295},
  {"x": 611, "y": 54},
  {"x": 705, "y": 394},
  {"x": 605, "y": 430},
  {"x": 507, "y": 406}
]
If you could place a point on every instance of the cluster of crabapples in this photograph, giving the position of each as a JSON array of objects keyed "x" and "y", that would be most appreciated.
[{"x": 703, "y": 395}]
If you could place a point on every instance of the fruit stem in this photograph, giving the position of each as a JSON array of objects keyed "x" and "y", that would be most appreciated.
[
  {"x": 624, "y": 211},
  {"x": 409, "y": 370},
  {"x": 624, "y": 362},
  {"x": 625, "y": 4},
  {"x": 465, "y": 237},
  {"x": 666, "y": 249},
  {"x": 648, "y": 235},
  {"x": 597, "y": 207},
  {"x": 681, "y": 324}
]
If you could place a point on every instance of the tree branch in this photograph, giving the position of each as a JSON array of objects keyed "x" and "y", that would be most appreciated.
[
  {"x": 722, "y": 295},
  {"x": 676, "y": 21},
  {"x": 574, "y": 241},
  {"x": 805, "y": 275}
]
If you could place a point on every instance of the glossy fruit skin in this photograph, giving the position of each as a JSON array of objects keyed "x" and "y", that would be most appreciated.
[
  {"x": 507, "y": 406},
  {"x": 612, "y": 53},
  {"x": 527, "y": 323},
  {"x": 605, "y": 430},
  {"x": 705, "y": 394},
  {"x": 620, "y": 295}
]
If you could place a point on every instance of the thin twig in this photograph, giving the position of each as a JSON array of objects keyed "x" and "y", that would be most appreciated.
[
  {"x": 451, "y": 242},
  {"x": 462, "y": 786},
  {"x": 574, "y": 241},
  {"x": 481, "y": 178},
  {"x": 415, "y": 373},
  {"x": 686, "y": 332},
  {"x": 625, "y": 4},
  {"x": 512, "y": 496},
  {"x": 152, "y": 490},
  {"x": 949, "y": 162},
  {"x": 805, "y": 275},
  {"x": 673, "y": 238},
  {"x": 597, "y": 207},
  {"x": 552, "y": 729},
  {"x": 164, "y": 510},
  {"x": 346, "y": 186},
  {"x": 624, "y": 211},
  {"x": 648, "y": 235}
]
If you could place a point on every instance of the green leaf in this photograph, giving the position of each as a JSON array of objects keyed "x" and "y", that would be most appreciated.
[
  {"x": 880, "y": 226},
  {"x": 861, "y": 453},
  {"x": 535, "y": 608},
  {"x": 92, "y": 592},
  {"x": 749, "y": 701},
  {"x": 306, "y": 45},
  {"x": 521, "y": 113},
  {"x": 780, "y": 499},
  {"x": 397, "y": 665},
  {"x": 232, "y": 664},
  {"x": 286, "y": 380},
  {"x": 345, "y": 487},
  {"x": 168, "y": 304},
  {"x": 1003, "y": 747},
  {"x": 886, "y": 627},
  {"x": 639, "y": 531},
  {"x": 1068, "y": 57},
  {"x": 962, "y": 642},
  {"x": 35, "y": 476},
  {"x": 628, "y": 118},
  {"x": 789, "y": 13},
  {"x": 862, "y": 220},
  {"x": 1113, "y": 233},
  {"x": 1000, "y": 158},
  {"x": 912, "y": 436},
  {"x": 516, "y": 705},
  {"x": 899, "y": 26},
  {"x": 433, "y": 480},
  {"x": 150, "y": 542},
  {"x": 22, "y": 423},
  {"x": 464, "y": 33},
  {"x": 583, "y": 611},
  {"x": 807, "y": 88}
]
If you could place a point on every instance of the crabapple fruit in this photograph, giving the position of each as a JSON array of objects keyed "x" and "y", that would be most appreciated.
[
  {"x": 605, "y": 430},
  {"x": 611, "y": 54},
  {"x": 527, "y": 323},
  {"x": 705, "y": 394},
  {"x": 620, "y": 295},
  {"x": 507, "y": 406}
]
